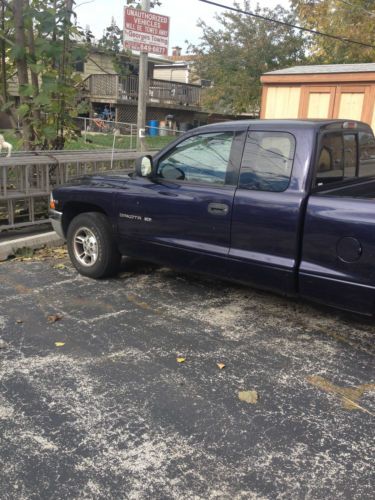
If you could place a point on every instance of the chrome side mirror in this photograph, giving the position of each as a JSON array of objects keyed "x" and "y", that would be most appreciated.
[{"x": 144, "y": 166}]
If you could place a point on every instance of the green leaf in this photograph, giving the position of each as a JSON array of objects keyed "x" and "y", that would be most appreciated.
[
  {"x": 49, "y": 132},
  {"x": 7, "y": 106},
  {"x": 42, "y": 99},
  {"x": 17, "y": 52},
  {"x": 37, "y": 68},
  {"x": 26, "y": 90},
  {"x": 23, "y": 110}
]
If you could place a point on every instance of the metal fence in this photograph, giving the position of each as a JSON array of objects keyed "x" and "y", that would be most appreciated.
[
  {"x": 101, "y": 133},
  {"x": 27, "y": 179},
  {"x": 89, "y": 128}
]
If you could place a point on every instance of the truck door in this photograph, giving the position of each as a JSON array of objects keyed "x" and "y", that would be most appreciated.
[
  {"x": 187, "y": 206},
  {"x": 267, "y": 211}
]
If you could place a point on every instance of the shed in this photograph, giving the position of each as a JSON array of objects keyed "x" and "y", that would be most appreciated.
[{"x": 320, "y": 91}]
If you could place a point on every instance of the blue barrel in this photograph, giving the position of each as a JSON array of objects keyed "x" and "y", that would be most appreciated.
[{"x": 153, "y": 129}]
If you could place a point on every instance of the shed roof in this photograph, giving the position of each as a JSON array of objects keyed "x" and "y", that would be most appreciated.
[{"x": 325, "y": 69}]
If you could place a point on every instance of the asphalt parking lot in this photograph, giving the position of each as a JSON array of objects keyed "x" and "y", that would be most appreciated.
[{"x": 94, "y": 404}]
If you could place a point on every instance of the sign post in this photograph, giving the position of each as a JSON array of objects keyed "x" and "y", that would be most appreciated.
[{"x": 145, "y": 31}]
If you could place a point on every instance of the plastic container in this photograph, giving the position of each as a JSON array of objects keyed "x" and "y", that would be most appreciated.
[
  {"x": 163, "y": 128},
  {"x": 153, "y": 130}
]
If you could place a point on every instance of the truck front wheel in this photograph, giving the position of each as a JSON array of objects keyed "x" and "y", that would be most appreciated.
[{"x": 91, "y": 246}]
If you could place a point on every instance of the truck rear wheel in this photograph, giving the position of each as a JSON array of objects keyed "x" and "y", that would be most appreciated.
[{"x": 91, "y": 246}]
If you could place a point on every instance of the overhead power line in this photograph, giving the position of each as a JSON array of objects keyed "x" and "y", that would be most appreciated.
[{"x": 290, "y": 25}]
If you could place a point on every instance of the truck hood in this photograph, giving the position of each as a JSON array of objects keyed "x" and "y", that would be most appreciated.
[{"x": 103, "y": 180}]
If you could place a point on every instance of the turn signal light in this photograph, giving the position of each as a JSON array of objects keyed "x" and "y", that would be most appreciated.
[{"x": 52, "y": 204}]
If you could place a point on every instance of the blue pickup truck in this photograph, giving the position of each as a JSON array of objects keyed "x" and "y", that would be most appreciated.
[{"x": 285, "y": 205}]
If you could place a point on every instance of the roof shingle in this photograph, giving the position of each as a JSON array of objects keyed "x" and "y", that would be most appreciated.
[{"x": 325, "y": 69}]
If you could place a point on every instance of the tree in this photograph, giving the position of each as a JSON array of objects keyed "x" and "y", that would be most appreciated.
[
  {"x": 239, "y": 52},
  {"x": 137, "y": 3},
  {"x": 43, "y": 43},
  {"x": 353, "y": 19},
  {"x": 112, "y": 43},
  {"x": 112, "y": 38}
]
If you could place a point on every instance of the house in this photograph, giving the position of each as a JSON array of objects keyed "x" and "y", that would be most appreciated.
[
  {"x": 320, "y": 91},
  {"x": 103, "y": 87},
  {"x": 179, "y": 68}
]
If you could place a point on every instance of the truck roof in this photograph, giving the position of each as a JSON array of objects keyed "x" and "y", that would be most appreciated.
[{"x": 284, "y": 124}]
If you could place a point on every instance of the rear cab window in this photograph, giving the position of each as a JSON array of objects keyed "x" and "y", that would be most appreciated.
[{"x": 344, "y": 156}]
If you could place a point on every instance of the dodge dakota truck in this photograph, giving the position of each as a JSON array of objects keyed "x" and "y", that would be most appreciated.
[{"x": 283, "y": 205}]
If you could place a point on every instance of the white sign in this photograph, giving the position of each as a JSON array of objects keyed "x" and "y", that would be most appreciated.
[{"x": 146, "y": 31}]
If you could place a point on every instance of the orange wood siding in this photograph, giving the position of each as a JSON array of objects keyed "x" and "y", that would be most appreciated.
[
  {"x": 282, "y": 102},
  {"x": 350, "y": 96}
]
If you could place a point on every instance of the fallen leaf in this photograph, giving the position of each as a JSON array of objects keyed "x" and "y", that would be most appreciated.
[
  {"x": 248, "y": 396},
  {"x": 59, "y": 266},
  {"x": 350, "y": 396},
  {"x": 59, "y": 344},
  {"x": 53, "y": 318},
  {"x": 180, "y": 359},
  {"x": 24, "y": 253},
  {"x": 221, "y": 366}
]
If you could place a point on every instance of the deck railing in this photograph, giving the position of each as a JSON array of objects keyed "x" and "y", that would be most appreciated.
[{"x": 114, "y": 87}]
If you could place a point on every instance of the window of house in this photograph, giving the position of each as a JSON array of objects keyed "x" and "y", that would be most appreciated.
[
  {"x": 79, "y": 65},
  {"x": 267, "y": 161},
  {"x": 202, "y": 158}
]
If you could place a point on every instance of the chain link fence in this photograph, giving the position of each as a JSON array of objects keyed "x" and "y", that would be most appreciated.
[{"x": 97, "y": 133}]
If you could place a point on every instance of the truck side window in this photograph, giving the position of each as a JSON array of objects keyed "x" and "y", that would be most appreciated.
[
  {"x": 202, "y": 158},
  {"x": 366, "y": 154},
  {"x": 267, "y": 161}
]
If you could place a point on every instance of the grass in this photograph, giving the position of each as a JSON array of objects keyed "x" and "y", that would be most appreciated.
[{"x": 97, "y": 141}]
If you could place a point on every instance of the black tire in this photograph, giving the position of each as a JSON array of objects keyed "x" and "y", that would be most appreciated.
[{"x": 91, "y": 246}]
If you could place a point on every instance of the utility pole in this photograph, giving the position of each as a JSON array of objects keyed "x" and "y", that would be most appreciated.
[{"x": 142, "y": 91}]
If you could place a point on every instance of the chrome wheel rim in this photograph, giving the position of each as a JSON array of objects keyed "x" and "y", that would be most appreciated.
[{"x": 85, "y": 247}]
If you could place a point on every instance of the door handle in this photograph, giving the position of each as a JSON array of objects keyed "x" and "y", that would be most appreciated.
[{"x": 218, "y": 208}]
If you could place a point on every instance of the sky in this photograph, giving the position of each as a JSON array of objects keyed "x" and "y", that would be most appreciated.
[{"x": 184, "y": 15}]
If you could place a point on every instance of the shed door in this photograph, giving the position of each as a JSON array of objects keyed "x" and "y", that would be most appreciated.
[
  {"x": 350, "y": 103},
  {"x": 282, "y": 102},
  {"x": 318, "y": 102}
]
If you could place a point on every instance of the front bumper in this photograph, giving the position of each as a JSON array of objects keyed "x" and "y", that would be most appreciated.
[{"x": 56, "y": 220}]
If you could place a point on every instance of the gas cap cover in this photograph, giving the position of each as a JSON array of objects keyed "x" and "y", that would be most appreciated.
[{"x": 349, "y": 249}]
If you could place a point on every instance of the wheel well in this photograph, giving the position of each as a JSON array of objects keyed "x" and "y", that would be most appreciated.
[{"x": 73, "y": 209}]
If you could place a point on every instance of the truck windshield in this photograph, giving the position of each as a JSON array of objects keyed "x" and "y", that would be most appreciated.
[{"x": 345, "y": 156}]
